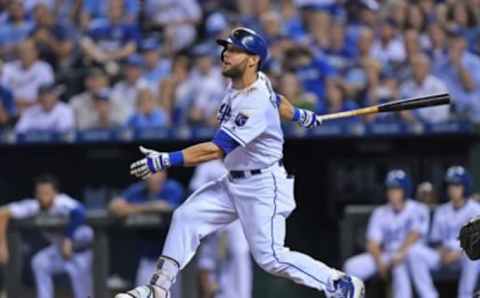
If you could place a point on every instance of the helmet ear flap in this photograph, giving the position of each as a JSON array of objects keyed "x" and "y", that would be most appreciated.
[{"x": 222, "y": 53}]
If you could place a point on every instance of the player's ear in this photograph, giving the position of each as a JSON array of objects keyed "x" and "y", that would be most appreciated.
[{"x": 254, "y": 60}]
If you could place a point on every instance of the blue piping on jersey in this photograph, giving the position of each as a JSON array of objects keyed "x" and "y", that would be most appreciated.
[
  {"x": 237, "y": 138},
  {"x": 273, "y": 237}
]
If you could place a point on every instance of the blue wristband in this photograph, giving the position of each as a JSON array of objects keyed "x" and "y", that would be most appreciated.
[
  {"x": 176, "y": 158},
  {"x": 296, "y": 115}
]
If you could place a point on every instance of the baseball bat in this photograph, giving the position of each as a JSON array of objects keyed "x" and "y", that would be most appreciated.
[{"x": 392, "y": 106}]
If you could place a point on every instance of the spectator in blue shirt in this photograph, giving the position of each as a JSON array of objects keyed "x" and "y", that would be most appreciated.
[
  {"x": 7, "y": 107},
  {"x": 336, "y": 102},
  {"x": 313, "y": 73},
  {"x": 157, "y": 194},
  {"x": 148, "y": 113},
  {"x": 340, "y": 52},
  {"x": 15, "y": 30},
  {"x": 94, "y": 9},
  {"x": 156, "y": 68},
  {"x": 460, "y": 72},
  {"x": 111, "y": 39}
]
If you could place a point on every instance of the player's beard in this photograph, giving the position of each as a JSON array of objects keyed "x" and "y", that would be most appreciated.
[{"x": 236, "y": 71}]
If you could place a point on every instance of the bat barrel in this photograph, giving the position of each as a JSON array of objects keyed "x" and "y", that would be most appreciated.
[{"x": 415, "y": 103}]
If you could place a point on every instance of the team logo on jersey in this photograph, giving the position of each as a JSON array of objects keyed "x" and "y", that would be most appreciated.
[{"x": 241, "y": 119}]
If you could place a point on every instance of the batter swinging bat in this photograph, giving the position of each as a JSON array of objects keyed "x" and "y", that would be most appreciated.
[{"x": 393, "y": 106}]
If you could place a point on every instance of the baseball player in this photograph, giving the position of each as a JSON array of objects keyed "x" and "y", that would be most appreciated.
[
  {"x": 447, "y": 222},
  {"x": 257, "y": 189},
  {"x": 156, "y": 194},
  {"x": 224, "y": 263},
  {"x": 393, "y": 229},
  {"x": 69, "y": 252}
]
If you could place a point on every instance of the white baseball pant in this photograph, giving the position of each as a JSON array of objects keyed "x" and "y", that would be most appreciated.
[
  {"x": 262, "y": 203},
  {"x": 423, "y": 259},
  {"x": 363, "y": 266}
]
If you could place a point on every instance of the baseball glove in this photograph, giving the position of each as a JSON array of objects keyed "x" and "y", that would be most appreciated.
[{"x": 469, "y": 237}]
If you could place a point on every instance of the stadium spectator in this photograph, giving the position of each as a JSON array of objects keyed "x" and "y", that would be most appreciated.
[
  {"x": 423, "y": 83},
  {"x": 206, "y": 87},
  {"x": 388, "y": 48},
  {"x": 426, "y": 194},
  {"x": 7, "y": 108},
  {"x": 175, "y": 91},
  {"x": 24, "y": 76},
  {"x": 437, "y": 48},
  {"x": 292, "y": 21},
  {"x": 51, "y": 38},
  {"x": 124, "y": 93},
  {"x": 158, "y": 194},
  {"x": 460, "y": 71},
  {"x": 336, "y": 101},
  {"x": 111, "y": 39},
  {"x": 14, "y": 30},
  {"x": 93, "y": 9},
  {"x": 93, "y": 109},
  {"x": 340, "y": 52},
  {"x": 49, "y": 114},
  {"x": 148, "y": 113},
  {"x": 177, "y": 19},
  {"x": 69, "y": 250},
  {"x": 156, "y": 67},
  {"x": 290, "y": 87}
]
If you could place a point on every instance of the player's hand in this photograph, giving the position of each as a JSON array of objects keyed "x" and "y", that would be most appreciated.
[
  {"x": 398, "y": 258},
  {"x": 309, "y": 119},
  {"x": 383, "y": 270},
  {"x": 4, "y": 254},
  {"x": 450, "y": 256},
  {"x": 153, "y": 162},
  {"x": 67, "y": 248}
]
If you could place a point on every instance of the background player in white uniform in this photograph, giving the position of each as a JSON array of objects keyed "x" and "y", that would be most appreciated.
[
  {"x": 224, "y": 263},
  {"x": 447, "y": 222},
  {"x": 69, "y": 252},
  {"x": 257, "y": 190},
  {"x": 393, "y": 229}
]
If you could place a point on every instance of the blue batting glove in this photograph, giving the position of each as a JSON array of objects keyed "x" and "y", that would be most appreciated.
[
  {"x": 153, "y": 162},
  {"x": 306, "y": 118}
]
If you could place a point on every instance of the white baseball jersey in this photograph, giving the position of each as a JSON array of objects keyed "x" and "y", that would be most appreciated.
[
  {"x": 252, "y": 114},
  {"x": 391, "y": 228},
  {"x": 448, "y": 221},
  {"x": 62, "y": 205}
]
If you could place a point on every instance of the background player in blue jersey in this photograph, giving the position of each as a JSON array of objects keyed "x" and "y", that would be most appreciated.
[
  {"x": 69, "y": 252},
  {"x": 447, "y": 222},
  {"x": 156, "y": 194},
  {"x": 257, "y": 190},
  {"x": 393, "y": 229}
]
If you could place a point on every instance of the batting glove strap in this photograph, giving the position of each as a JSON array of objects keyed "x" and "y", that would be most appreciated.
[{"x": 158, "y": 162}]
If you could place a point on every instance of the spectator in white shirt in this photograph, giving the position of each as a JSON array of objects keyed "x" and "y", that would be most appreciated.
[
  {"x": 389, "y": 47},
  {"x": 424, "y": 83},
  {"x": 177, "y": 18},
  {"x": 207, "y": 87},
  {"x": 49, "y": 114},
  {"x": 24, "y": 76},
  {"x": 124, "y": 93}
]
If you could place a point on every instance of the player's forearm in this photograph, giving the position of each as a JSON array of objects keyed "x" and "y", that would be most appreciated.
[
  {"x": 4, "y": 219},
  {"x": 375, "y": 250},
  {"x": 201, "y": 153},
  {"x": 289, "y": 112}
]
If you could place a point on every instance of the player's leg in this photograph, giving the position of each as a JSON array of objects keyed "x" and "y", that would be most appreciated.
[
  {"x": 263, "y": 203},
  {"x": 468, "y": 277},
  {"x": 401, "y": 284},
  {"x": 146, "y": 268},
  {"x": 421, "y": 260},
  {"x": 362, "y": 266},
  {"x": 44, "y": 264},
  {"x": 238, "y": 282},
  {"x": 205, "y": 211},
  {"x": 79, "y": 269}
]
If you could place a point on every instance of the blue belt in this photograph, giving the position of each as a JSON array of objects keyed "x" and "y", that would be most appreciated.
[{"x": 244, "y": 174}]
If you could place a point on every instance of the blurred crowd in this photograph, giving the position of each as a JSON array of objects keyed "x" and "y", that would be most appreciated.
[{"x": 84, "y": 64}]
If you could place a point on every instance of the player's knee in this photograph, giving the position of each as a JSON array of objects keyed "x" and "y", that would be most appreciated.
[{"x": 39, "y": 263}]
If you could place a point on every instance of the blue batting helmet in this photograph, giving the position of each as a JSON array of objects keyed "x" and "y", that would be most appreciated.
[
  {"x": 399, "y": 179},
  {"x": 459, "y": 175},
  {"x": 247, "y": 40}
]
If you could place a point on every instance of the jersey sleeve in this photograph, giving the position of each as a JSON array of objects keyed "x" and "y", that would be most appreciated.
[
  {"x": 24, "y": 209},
  {"x": 374, "y": 229},
  {"x": 249, "y": 122}
]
